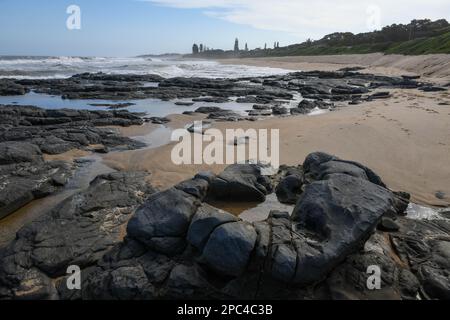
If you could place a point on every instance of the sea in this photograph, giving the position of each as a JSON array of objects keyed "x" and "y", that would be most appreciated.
[{"x": 32, "y": 67}]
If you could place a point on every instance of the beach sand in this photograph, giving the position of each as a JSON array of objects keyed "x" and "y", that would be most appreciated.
[
  {"x": 405, "y": 139},
  {"x": 433, "y": 67}
]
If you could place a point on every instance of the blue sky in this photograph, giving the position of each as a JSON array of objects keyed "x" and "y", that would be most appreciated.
[{"x": 132, "y": 27}]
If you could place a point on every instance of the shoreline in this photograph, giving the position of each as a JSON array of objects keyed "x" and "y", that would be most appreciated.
[
  {"x": 405, "y": 142},
  {"x": 404, "y": 138},
  {"x": 433, "y": 67},
  {"x": 138, "y": 226}
]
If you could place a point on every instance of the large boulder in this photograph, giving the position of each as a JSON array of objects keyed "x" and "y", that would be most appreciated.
[
  {"x": 339, "y": 214},
  {"x": 163, "y": 220}
]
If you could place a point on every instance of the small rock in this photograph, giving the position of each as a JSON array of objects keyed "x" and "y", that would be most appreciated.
[
  {"x": 388, "y": 225},
  {"x": 440, "y": 195}
]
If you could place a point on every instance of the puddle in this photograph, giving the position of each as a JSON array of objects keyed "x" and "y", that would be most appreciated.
[
  {"x": 156, "y": 138},
  {"x": 416, "y": 211},
  {"x": 150, "y": 107},
  {"x": 253, "y": 211}
]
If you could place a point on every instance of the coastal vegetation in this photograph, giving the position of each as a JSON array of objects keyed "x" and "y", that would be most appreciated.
[{"x": 418, "y": 37}]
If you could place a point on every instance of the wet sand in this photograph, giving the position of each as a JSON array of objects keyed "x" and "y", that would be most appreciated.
[{"x": 405, "y": 139}]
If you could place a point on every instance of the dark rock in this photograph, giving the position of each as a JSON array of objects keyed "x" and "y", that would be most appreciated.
[
  {"x": 380, "y": 95},
  {"x": 415, "y": 77},
  {"x": 349, "y": 280},
  {"x": 351, "y": 69},
  {"x": 260, "y": 112},
  {"x": 101, "y": 149},
  {"x": 158, "y": 120},
  {"x": 208, "y": 110},
  {"x": 113, "y": 106},
  {"x": 388, "y": 225},
  {"x": 194, "y": 128},
  {"x": 426, "y": 249},
  {"x": 18, "y": 152},
  {"x": 197, "y": 187},
  {"x": 58, "y": 131},
  {"x": 289, "y": 189},
  {"x": 334, "y": 86},
  {"x": 240, "y": 183},
  {"x": 10, "y": 88},
  {"x": 319, "y": 165},
  {"x": 229, "y": 247},
  {"x": 309, "y": 105},
  {"x": 25, "y": 176},
  {"x": 211, "y": 99},
  {"x": 279, "y": 110},
  {"x": 401, "y": 202},
  {"x": 340, "y": 212},
  {"x": 440, "y": 195},
  {"x": 163, "y": 221},
  {"x": 295, "y": 111},
  {"x": 179, "y": 247},
  {"x": 186, "y": 104},
  {"x": 432, "y": 89},
  {"x": 79, "y": 231},
  {"x": 435, "y": 282},
  {"x": 205, "y": 221},
  {"x": 261, "y": 107},
  {"x": 188, "y": 281},
  {"x": 225, "y": 115}
]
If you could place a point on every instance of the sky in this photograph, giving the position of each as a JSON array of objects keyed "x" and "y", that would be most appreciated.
[{"x": 133, "y": 27}]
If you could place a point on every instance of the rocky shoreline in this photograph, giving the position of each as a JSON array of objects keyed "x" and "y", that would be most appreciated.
[
  {"x": 176, "y": 245},
  {"x": 27, "y": 133},
  {"x": 318, "y": 86},
  {"x": 133, "y": 241}
]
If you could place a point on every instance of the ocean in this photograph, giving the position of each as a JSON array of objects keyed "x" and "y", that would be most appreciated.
[{"x": 23, "y": 67}]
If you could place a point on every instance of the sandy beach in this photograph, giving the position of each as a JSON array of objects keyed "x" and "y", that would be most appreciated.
[
  {"x": 433, "y": 67},
  {"x": 406, "y": 139}
]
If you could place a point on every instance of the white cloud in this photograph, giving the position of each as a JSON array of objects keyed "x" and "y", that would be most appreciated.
[{"x": 313, "y": 18}]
